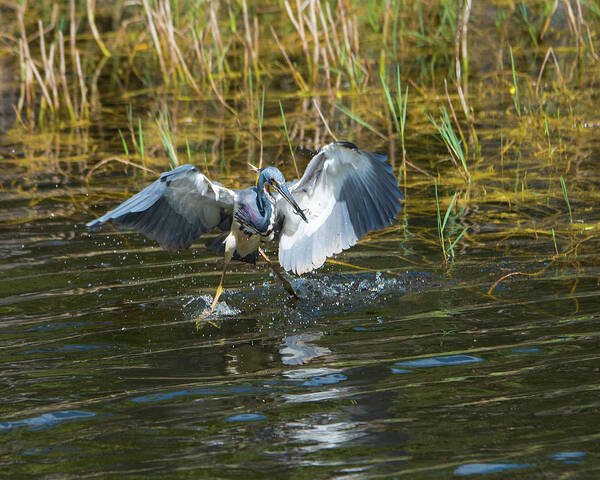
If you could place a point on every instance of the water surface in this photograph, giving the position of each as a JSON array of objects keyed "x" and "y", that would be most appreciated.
[
  {"x": 394, "y": 363},
  {"x": 403, "y": 369}
]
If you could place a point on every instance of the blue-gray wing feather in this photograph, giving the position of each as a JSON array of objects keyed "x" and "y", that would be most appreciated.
[
  {"x": 176, "y": 209},
  {"x": 345, "y": 193}
]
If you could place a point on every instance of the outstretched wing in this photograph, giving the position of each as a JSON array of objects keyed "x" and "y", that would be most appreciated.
[
  {"x": 344, "y": 192},
  {"x": 176, "y": 209}
]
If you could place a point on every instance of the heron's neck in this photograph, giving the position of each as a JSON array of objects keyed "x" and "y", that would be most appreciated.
[
  {"x": 263, "y": 202},
  {"x": 265, "y": 209},
  {"x": 261, "y": 196}
]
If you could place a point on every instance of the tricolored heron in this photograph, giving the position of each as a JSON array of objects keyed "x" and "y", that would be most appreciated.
[{"x": 344, "y": 193}]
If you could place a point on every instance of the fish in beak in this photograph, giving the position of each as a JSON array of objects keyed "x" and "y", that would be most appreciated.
[{"x": 285, "y": 193}]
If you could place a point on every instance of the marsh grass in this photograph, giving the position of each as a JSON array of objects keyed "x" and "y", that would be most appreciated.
[
  {"x": 446, "y": 243},
  {"x": 353, "y": 116},
  {"x": 123, "y": 142},
  {"x": 344, "y": 70},
  {"x": 452, "y": 142},
  {"x": 397, "y": 111},
  {"x": 515, "y": 88},
  {"x": 165, "y": 131}
]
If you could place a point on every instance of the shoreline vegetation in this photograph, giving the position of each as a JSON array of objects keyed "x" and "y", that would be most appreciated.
[{"x": 502, "y": 94}]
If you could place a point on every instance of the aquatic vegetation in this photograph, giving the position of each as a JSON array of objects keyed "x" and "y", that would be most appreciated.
[
  {"x": 225, "y": 71},
  {"x": 399, "y": 115},
  {"x": 453, "y": 144}
]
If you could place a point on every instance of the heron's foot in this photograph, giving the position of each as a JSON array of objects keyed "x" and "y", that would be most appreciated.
[
  {"x": 201, "y": 322},
  {"x": 204, "y": 319}
]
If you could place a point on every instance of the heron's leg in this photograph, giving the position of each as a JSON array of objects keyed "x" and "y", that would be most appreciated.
[
  {"x": 220, "y": 287},
  {"x": 279, "y": 273},
  {"x": 230, "y": 247}
]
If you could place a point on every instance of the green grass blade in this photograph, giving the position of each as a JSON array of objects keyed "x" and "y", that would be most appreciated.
[
  {"x": 451, "y": 141},
  {"x": 515, "y": 94},
  {"x": 564, "y": 189},
  {"x": 287, "y": 137},
  {"x": 448, "y": 210},
  {"x": 124, "y": 142},
  {"x": 359, "y": 120},
  {"x": 164, "y": 131},
  {"x": 188, "y": 150},
  {"x": 390, "y": 102},
  {"x": 401, "y": 102},
  {"x": 403, "y": 106},
  {"x": 140, "y": 138},
  {"x": 453, "y": 244},
  {"x": 261, "y": 111},
  {"x": 439, "y": 220}
]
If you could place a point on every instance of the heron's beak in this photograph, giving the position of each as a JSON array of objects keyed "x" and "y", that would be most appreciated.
[{"x": 285, "y": 193}]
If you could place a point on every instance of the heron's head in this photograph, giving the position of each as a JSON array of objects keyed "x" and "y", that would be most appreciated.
[{"x": 272, "y": 177}]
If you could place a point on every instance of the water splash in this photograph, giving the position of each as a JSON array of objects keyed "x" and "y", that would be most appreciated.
[
  {"x": 320, "y": 294},
  {"x": 195, "y": 305}
]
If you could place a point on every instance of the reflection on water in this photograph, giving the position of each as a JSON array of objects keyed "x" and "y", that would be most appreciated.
[
  {"x": 568, "y": 457},
  {"x": 46, "y": 420},
  {"x": 159, "y": 397},
  {"x": 296, "y": 349},
  {"x": 245, "y": 417},
  {"x": 525, "y": 350},
  {"x": 440, "y": 361},
  {"x": 330, "y": 435},
  {"x": 482, "y": 468}
]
